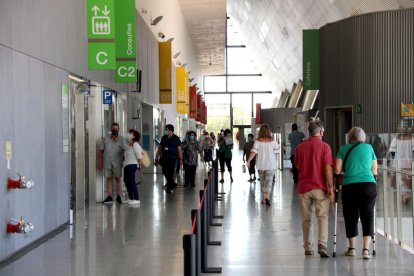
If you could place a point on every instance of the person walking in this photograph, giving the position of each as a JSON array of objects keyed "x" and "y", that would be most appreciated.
[
  {"x": 313, "y": 159},
  {"x": 112, "y": 151},
  {"x": 207, "y": 145},
  {"x": 225, "y": 143},
  {"x": 132, "y": 163},
  {"x": 191, "y": 149},
  {"x": 246, "y": 152},
  {"x": 358, "y": 162},
  {"x": 266, "y": 148},
  {"x": 295, "y": 138},
  {"x": 167, "y": 154}
]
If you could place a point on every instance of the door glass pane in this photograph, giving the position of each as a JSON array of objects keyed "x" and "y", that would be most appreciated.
[{"x": 242, "y": 109}]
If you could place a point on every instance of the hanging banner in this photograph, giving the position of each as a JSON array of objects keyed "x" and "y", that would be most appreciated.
[
  {"x": 193, "y": 102},
  {"x": 199, "y": 108},
  {"x": 182, "y": 108},
  {"x": 407, "y": 110},
  {"x": 165, "y": 72},
  {"x": 180, "y": 84},
  {"x": 311, "y": 59},
  {"x": 204, "y": 113},
  {"x": 258, "y": 113},
  {"x": 126, "y": 41},
  {"x": 101, "y": 34}
]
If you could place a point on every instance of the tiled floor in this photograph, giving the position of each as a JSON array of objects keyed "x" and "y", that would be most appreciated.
[{"x": 147, "y": 240}]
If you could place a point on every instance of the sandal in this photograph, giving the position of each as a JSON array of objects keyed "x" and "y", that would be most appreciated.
[
  {"x": 350, "y": 252},
  {"x": 366, "y": 256},
  {"x": 267, "y": 202}
]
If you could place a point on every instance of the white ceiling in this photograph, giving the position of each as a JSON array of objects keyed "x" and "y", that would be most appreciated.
[
  {"x": 272, "y": 29},
  {"x": 206, "y": 23}
]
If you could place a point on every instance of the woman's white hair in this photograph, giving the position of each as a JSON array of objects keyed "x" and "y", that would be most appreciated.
[{"x": 356, "y": 134}]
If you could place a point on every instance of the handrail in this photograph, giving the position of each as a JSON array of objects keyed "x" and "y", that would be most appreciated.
[{"x": 395, "y": 171}]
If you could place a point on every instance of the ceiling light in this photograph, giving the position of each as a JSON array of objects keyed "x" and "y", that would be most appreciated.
[
  {"x": 177, "y": 55},
  {"x": 161, "y": 35},
  {"x": 191, "y": 80},
  {"x": 170, "y": 39},
  {"x": 156, "y": 20},
  {"x": 184, "y": 65},
  {"x": 76, "y": 78}
]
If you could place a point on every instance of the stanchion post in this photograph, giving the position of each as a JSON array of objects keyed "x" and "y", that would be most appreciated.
[{"x": 189, "y": 246}]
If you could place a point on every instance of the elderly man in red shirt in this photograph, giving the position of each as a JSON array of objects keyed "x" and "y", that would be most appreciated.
[{"x": 314, "y": 160}]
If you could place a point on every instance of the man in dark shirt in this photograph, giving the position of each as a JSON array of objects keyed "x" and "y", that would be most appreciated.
[
  {"x": 167, "y": 154},
  {"x": 295, "y": 138}
]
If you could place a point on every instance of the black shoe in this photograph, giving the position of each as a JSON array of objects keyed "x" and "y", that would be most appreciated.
[
  {"x": 165, "y": 187},
  {"x": 169, "y": 191},
  {"x": 231, "y": 179},
  {"x": 118, "y": 199},
  {"x": 108, "y": 200},
  {"x": 221, "y": 180}
]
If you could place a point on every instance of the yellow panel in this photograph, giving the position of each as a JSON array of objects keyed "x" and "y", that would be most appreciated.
[
  {"x": 180, "y": 76},
  {"x": 187, "y": 90},
  {"x": 407, "y": 110},
  {"x": 182, "y": 108},
  {"x": 165, "y": 72}
]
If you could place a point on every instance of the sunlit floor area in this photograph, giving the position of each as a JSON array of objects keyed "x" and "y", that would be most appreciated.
[{"x": 147, "y": 240}]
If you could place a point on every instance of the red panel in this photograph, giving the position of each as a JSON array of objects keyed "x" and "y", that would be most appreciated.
[
  {"x": 258, "y": 113},
  {"x": 193, "y": 102},
  {"x": 199, "y": 108}
]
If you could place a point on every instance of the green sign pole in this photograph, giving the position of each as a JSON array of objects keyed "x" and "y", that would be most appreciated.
[
  {"x": 310, "y": 59},
  {"x": 126, "y": 61},
  {"x": 101, "y": 34}
]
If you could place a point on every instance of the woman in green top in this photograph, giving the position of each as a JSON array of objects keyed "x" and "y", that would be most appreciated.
[{"x": 359, "y": 189}]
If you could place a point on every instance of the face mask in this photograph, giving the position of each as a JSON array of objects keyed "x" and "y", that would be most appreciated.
[
  {"x": 250, "y": 139},
  {"x": 115, "y": 132},
  {"x": 192, "y": 137},
  {"x": 165, "y": 132}
]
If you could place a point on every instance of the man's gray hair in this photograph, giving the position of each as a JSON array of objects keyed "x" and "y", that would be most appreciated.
[
  {"x": 356, "y": 134},
  {"x": 315, "y": 126}
]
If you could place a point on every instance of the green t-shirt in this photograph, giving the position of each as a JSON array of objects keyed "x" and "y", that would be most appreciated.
[{"x": 359, "y": 163}]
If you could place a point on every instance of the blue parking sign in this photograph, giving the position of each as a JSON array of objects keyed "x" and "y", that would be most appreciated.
[{"x": 107, "y": 96}]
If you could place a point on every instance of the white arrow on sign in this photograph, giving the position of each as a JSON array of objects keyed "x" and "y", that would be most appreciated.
[
  {"x": 95, "y": 9},
  {"x": 106, "y": 11}
]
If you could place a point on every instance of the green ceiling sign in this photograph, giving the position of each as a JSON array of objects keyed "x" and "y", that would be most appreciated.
[
  {"x": 310, "y": 59},
  {"x": 101, "y": 34},
  {"x": 125, "y": 29}
]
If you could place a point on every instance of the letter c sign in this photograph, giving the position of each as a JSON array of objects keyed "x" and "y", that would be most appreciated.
[{"x": 100, "y": 60}]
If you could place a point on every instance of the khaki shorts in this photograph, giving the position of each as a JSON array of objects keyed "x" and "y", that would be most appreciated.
[{"x": 113, "y": 172}]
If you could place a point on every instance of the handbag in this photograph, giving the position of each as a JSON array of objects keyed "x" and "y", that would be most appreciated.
[{"x": 146, "y": 161}]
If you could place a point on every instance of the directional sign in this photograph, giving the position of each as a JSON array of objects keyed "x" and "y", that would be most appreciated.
[
  {"x": 107, "y": 97},
  {"x": 126, "y": 49},
  {"x": 101, "y": 34}
]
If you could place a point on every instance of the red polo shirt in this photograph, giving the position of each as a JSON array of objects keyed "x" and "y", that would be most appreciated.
[{"x": 311, "y": 157}]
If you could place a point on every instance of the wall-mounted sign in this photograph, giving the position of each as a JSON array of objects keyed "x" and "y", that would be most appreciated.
[
  {"x": 193, "y": 102},
  {"x": 407, "y": 110},
  {"x": 311, "y": 59},
  {"x": 126, "y": 61},
  {"x": 258, "y": 113},
  {"x": 165, "y": 72},
  {"x": 101, "y": 34},
  {"x": 107, "y": 96}
]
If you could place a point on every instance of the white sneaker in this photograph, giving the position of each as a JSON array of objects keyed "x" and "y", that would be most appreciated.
[
  {"x": 134, "y": 202},
  {"x": 127, "y": 201}
]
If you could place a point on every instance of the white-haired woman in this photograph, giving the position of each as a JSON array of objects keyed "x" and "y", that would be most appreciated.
[{"x": 359, "y": 190}]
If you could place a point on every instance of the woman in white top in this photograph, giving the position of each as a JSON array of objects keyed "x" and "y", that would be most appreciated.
[
  {"x": 266, "y": 148},
  {"x": 132, "y": 163}
]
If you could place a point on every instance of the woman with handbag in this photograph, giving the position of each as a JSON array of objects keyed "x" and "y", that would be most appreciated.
[
  {"x": 132, "y": 163},
  {"x": 358, "y": 162}
]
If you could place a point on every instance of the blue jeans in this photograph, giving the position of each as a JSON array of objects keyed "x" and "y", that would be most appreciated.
[{"x": 130, "y": 183}]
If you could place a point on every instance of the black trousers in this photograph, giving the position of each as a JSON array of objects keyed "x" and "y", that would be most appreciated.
[
  {"x": 294, "y": 169},
  {"x": 358, "y": 202},
  {"x": 252, "y": 169},
  {"x": 168, "y": 169},
  {"x": 226, "y": 161},
  {"x": 130, "y": 183},
  {"x": 190, "y": 174}
]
